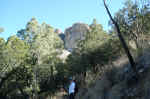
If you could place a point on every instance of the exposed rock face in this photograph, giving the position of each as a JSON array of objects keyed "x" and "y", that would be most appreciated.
[
  {"x": 60, "y": 34},
  {"x": 74, "y": 33},
  {"x": 64, "y": 54}
]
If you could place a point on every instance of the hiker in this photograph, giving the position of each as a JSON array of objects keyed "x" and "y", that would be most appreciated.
[{"x": 72, "y": 88}]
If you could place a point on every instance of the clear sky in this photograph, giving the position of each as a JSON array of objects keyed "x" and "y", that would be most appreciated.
[{"x": 58, "y": 13}]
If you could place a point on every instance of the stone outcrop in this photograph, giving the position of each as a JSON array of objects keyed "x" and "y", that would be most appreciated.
[
  {"x": 60, "y": 34},
  {"x": 64, "y": 54},
  {"x": 74, "y": 33}
]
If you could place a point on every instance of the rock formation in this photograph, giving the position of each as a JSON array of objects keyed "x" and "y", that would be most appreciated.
[
  {"x": 60, "y": 34},
  {"x": 74, "y": 33}
]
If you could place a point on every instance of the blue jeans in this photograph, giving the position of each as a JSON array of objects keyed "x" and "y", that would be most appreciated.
[{"x": 71, "y": 96}]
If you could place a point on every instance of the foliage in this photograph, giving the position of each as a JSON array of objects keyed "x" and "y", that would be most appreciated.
[
  {"x": 133, "y": 21},
  {"x": 14, "y": 75},
  {"x": 29, "y": 61},
  {"x": 93, "y": 39},
  {"x": 45, "y": 46},
  {"x": 93, "y": 53}
]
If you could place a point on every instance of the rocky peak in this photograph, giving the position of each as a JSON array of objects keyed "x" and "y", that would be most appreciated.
[{"x": 76, "y": 32}]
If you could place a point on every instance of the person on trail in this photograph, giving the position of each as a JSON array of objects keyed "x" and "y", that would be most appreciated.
[{"x": 72, "y": 88}]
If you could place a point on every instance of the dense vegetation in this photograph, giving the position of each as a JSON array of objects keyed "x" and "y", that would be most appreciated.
[{"x": 30, "y": 63}]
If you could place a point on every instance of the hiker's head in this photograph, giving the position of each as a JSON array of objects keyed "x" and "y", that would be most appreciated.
[{"x": 70, "y": 79}]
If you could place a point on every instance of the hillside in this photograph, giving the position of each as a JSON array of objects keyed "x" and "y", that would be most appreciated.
[{"x": 119, "y": 82}]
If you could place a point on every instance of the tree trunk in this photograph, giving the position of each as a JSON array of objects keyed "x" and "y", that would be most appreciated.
[{"x": 122, "y": 40}]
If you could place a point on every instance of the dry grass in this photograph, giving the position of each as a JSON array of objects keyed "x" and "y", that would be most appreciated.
[{"x": 117, "y": 82}]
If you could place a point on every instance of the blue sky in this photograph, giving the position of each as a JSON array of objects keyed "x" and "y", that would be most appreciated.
[{"x": 58, "y": 13}]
